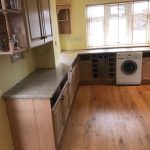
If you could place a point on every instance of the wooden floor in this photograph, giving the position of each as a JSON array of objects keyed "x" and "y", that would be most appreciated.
[{"x": 109, "y": 118}]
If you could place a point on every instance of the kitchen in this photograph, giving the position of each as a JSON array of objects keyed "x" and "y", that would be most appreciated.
[{"x": 22, "y": 80}]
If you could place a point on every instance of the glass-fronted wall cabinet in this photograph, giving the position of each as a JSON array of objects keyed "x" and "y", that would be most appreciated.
[
  {"x": 24, "y": 24},
  {"x": 12, "y": 27}
]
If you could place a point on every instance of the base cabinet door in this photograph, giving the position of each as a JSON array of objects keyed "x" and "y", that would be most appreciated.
[
  {"x": 31, "y": 124},
  {"x": 145, "y": 68},
  {"x": 58, "y": 121},
  {"x": 76, "y": 77},
  {"x": 73, "y": 83},
  {"x": 65, "y": 104},
  {"x": 85, "y": 70},
  {"x": 70, "y": 90},
  {"x": 77, "y": 74}
]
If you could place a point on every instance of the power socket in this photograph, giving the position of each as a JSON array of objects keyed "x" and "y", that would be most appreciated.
[{"x": 16, "y": 57}]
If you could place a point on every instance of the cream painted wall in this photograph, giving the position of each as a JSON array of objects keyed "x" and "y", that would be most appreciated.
[
  {"x": 46, "y": 56},
  {"x": 56, "y": 42},
  {"x": 10, "y": 74},
  {"x": 77, "y": 38}
]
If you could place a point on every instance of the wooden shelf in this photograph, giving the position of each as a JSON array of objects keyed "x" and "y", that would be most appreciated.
[
  {"x": 64, "y": 22},
  {"x": 12, "y": 29},
  {"x": 6, "y": 53},
  {"x": 10, "y": 11},
  {"x": 13, "y": 52}
]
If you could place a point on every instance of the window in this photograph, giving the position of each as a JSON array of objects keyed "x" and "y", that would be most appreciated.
[
  {"x": 95, "y": 17},
  {"x": 118, "y": 24}
]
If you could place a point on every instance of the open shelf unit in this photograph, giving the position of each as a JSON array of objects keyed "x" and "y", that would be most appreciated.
[
  {"x": 12, "y": 28},
  {"x": 64, "y": 22}
]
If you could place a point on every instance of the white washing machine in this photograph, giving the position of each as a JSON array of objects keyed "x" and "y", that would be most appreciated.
[{"x": 129, "y": 68}]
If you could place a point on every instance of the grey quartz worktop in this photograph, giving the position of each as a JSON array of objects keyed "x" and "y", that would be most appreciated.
[{"x": 42, "y": 83}]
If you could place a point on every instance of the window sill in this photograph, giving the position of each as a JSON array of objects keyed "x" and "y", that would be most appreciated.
[{"x": 119, "y": 46}]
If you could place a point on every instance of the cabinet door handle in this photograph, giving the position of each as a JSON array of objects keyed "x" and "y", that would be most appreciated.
[{"x": 63, "y": 97}]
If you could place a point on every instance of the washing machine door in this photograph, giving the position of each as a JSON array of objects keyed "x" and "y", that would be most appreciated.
[{"x": 129, "y": 67}]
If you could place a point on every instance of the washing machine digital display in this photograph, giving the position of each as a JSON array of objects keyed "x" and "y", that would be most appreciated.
[{"x": 129, "y": 67}]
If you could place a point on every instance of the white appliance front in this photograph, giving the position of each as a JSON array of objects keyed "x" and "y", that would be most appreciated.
[{"x": 129, "y": 68}]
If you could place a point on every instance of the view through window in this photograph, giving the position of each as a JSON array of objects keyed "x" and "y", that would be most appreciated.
[{"x": 118, "y": 24}]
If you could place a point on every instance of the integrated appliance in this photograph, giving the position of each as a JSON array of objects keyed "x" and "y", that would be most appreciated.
[{"x": 129, "y": 68}]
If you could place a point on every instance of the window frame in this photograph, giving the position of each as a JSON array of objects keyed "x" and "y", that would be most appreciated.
[{"x": 129, "y": 18}]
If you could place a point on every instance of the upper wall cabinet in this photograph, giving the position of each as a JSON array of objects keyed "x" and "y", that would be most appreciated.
[
  {"x": 38, "y": 21},
  {"x": 24, "y": 24},
  {"x": 12, "y": 27},
  {"x": 64, "y": 22}
]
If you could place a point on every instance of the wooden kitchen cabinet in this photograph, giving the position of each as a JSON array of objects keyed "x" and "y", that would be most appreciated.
[
  {"x": 24, "y": 24},
  {"x": 145, "y": 68},
  {"x": 72, "y": 84},
  {"x": 45, "y": 4},
  {"x": 74, "y": 78},
  {"x": 38, "y": 21},
  {"x": 77, "y": 75},
  {"x": 31, "y": 124},
  {"x": 85, "y": 70},
  {"x": 58, "y": 120},
  {"x": 61, "y": 109},
  {"x": 85, "y": 67},
  {"x": 65, "y": 104},
  {"x": 70, "y": 90},
  {"x": 12, "y": 28}
]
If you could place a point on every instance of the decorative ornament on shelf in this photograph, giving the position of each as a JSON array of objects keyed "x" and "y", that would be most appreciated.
[
  {"x": 15, "y": 41},
  {"x": 13, "y": 4}
]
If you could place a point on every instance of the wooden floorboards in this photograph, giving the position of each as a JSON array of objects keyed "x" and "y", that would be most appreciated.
[{"x": 105, "y": 117}]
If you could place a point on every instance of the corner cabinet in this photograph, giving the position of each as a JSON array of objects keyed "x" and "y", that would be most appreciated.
[{"x": 38, "y": 20}]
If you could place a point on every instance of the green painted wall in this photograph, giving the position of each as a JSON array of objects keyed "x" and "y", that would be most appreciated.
[{"x": 77, "y": 38}]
